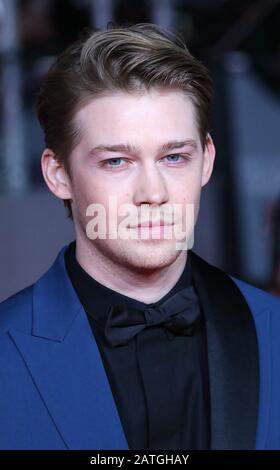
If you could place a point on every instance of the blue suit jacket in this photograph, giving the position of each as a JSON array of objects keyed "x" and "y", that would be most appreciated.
[{"x": 54, "y": 392}]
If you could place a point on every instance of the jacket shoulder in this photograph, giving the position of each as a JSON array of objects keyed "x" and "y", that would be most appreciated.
[
  {"x": 258, "y": 299},
  {"x": 16, "y": 311}
]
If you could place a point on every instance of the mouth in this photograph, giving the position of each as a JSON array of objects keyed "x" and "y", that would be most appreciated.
[{"x": 151, "y": 224}]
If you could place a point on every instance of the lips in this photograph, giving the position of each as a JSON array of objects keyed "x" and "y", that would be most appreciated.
[{"x": 158, "y": 223}]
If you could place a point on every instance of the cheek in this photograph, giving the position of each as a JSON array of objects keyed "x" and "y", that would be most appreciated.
[
  {"x": 87, "y": 190},
  {"x": 188, "y": 181},
  {"x": 188, "y": 191}
]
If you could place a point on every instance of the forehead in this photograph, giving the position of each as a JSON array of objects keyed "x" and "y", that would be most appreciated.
[{"x": 117, "y": 116}]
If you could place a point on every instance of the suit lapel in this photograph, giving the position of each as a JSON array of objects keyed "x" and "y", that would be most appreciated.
[
  {"x": 232, "y": 358},
  {"x": 64, "y": 362}
]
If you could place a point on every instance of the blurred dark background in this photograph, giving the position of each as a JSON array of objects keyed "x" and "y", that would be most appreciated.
[{"x": 239, "y": 41}]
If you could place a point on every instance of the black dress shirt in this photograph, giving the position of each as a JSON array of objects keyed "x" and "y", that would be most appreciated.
[{"x": 160, "y": 385}]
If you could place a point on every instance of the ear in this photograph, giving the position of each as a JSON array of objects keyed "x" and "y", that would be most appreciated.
[
  {"x": 208, "y": 160},
  {"x": 55, "y": 175}
]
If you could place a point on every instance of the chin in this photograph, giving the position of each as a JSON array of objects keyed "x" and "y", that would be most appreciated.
[{"x": 147, "y": 256}]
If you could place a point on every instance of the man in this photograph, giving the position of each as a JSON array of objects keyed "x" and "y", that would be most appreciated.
[{"x": 131, "y": 340}]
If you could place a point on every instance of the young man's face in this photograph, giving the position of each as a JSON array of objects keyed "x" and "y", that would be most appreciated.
[{"x": 144, "y": 150}]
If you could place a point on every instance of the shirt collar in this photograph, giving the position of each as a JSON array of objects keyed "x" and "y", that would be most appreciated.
[{"x": 96, "y": 298}]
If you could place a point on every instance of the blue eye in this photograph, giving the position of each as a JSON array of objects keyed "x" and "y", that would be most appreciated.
[
  {"x": 176, "y": 155},
  {"x": 109, "y": 162}
]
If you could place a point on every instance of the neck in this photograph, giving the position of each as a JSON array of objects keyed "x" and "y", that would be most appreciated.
[{"x": 147, "y": 286}]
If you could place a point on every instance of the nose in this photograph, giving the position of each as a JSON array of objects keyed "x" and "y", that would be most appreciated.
[{"x": 150, "y": 187}]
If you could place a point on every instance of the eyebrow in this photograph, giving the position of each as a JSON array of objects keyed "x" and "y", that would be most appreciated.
[{"x": 131, "y": 149}]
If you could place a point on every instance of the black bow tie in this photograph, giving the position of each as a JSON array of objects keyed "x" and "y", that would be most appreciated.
[{"x": 178, "y": 314}]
